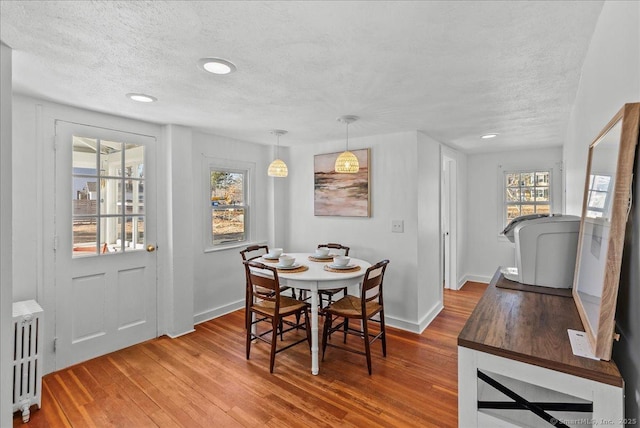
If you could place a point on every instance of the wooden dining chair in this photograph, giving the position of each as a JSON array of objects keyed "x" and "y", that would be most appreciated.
[
  {"x": 273, "y": 308},
  {"x": 253, "y": 252},
  {"x": 363, "y": 308},
  {"x": 330, "y": 294}
]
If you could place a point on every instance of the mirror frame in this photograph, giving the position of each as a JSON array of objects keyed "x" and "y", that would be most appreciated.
[{"x": 601, "y": 340}]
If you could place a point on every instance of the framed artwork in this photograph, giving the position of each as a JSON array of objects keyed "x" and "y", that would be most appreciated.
[{"x": 338, "y": 194}]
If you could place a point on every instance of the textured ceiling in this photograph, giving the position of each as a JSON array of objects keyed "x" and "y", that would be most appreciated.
[{"x": 452, "y": 69}]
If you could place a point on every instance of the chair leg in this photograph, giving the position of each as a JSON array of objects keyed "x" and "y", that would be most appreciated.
[
  {"x": 325, "y": 332},
  {"x": 384, "y": 334},
  {"x": 274, "y": 339},
  {"x": 248, "y": 328},
  {"x": 346, "y": 329},
  {"x": 246, "y": 306},
  {"x": 367, "y": 345}
]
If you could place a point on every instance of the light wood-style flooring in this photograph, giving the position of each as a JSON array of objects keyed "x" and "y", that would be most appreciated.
[{"x": 203, "y": 380}]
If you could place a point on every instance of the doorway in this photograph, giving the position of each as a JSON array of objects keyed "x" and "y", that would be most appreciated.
[
  {"x": 449, "y": 216},
  {"x": 105, "y": 234}
]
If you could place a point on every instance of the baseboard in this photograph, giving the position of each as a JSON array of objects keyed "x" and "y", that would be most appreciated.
[
  {"x": 217, "y": 312},
  {"x": 473, "y": 278},
  {"x": 176, "y": 335},
  {"x": 431, "y": 315},
  {"x": 412, "y": 326}
]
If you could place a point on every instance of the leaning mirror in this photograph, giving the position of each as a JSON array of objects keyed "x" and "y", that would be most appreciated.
[{"x": 606, "y": 203}]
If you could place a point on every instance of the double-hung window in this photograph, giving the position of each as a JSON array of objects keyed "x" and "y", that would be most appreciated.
[
  {"x": 526, "y": 192},
  {"x": 229, "y": 206}
]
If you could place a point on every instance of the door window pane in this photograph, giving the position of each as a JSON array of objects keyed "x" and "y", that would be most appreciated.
[
  {"x": 138, "y": 198},
  {"x": 138, "y": 232},
  {"x": 109, "y": 233},
  {"x": 111, "y": 158},
  {"x": 84, "y": 236},
  {"x": 85, "y": 194},
  {"x": 110, "y": 196}
]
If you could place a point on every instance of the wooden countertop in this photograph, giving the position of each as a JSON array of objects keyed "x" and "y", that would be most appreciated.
[{"x": 532, "y": 328}]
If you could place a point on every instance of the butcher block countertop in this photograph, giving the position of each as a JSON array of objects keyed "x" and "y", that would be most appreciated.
[{"x": 532, "y": 328}]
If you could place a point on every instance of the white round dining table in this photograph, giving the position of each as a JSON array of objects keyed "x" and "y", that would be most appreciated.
[{"x": 314, "y": 279}]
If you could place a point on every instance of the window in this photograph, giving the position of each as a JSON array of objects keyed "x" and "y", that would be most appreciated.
[
  {"x": 526, "y": 193},
  {"x": 598, "y": 197},
  {"x": 108, "y": 203},
  {"x": 229, "y": 207}
]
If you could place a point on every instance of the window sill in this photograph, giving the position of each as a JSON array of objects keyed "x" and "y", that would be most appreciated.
[{"x": 233, "y": 246}]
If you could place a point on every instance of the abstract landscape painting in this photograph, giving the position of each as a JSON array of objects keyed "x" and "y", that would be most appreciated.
[{"x": 341, "y": 194}]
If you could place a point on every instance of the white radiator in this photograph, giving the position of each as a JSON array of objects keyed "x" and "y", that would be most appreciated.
[{"x": 27, "y": 356}]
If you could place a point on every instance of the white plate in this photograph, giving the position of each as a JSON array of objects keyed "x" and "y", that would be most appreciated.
[
  {"x": 293, "y": 266},
  {"x": 270, "y": 257},
  {"x": 317, "y": 256},
  {"x": 332, "y": 266}
]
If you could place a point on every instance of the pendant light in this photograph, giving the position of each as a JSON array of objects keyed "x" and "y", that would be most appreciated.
[
  {"x": 347, "y": 162},
  {"x": 278, "y": 168}
]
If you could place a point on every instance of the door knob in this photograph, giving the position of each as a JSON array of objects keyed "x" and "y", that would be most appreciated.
[{"x": 151, "y": 248}]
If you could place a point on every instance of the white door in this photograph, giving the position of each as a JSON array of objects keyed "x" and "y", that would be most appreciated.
[
  {"x": 105, "y": 259},
  {"x": 449, "y": 218}
]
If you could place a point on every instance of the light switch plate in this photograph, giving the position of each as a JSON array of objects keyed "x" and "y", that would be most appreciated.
[{"x": 397, "y": 226}]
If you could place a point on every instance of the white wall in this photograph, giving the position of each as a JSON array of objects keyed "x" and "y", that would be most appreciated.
[
  {"x": 6, "y": 379},
  {"x": 611, "y": 78},
  {"x": 175, "y": 253},
  {"x": 218, "y": 276},
  {"x": 429, "y": 269},
  {"x": 394, "y": 196},
  {"x": 486, "y": 249}
]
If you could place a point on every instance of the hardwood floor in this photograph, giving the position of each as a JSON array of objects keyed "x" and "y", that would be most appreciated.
[{"x": 203, "y": 380}]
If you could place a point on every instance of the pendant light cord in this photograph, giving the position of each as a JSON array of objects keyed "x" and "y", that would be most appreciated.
[
  {"x": 347, "y": 136},
  {"x": 277, "y": 146}
]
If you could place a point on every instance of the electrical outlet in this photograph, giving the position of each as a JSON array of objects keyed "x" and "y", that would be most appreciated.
[{"x": 397, "y": 226}]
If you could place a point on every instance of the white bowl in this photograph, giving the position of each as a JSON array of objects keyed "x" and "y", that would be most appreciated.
[
  {"x": 322, "y": 252},
  {"x": 275, "y": 252},
  {"x": 341, "y": 260},
  {"x": 286, "y": 260}
]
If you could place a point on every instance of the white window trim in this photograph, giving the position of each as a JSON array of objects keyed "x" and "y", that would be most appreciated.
[
  {"x": 249, "y": 168},
  {"x": 555, "y": 190}
]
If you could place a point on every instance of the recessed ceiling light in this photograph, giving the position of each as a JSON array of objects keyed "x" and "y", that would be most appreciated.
[
  {"x": 487, "y": 136},
  {"x": 142, "y": 98},
  {"x": 216, "y": 65}
]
